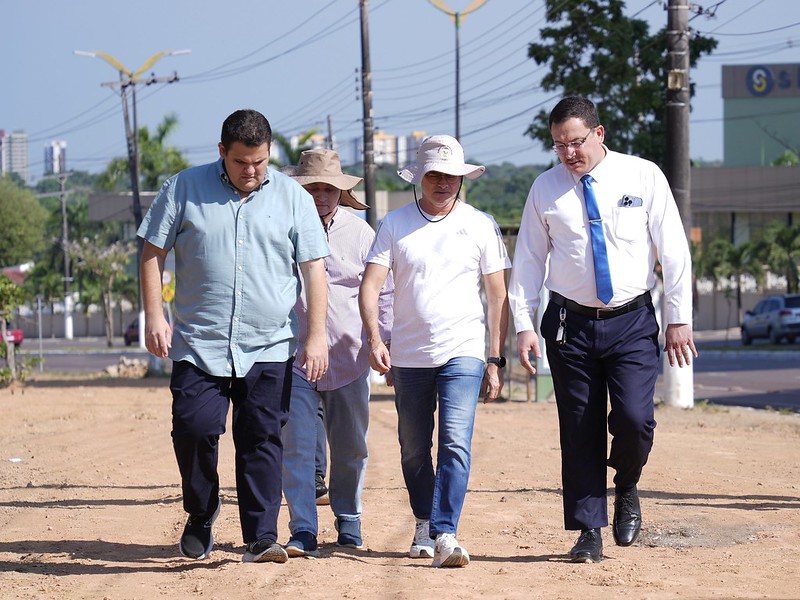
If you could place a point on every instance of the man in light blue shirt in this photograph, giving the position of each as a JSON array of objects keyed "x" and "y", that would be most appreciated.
[{"x": 239, "y": 231}]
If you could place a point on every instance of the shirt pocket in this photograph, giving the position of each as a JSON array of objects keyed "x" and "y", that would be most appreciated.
[{"x": 630, "y": 223}]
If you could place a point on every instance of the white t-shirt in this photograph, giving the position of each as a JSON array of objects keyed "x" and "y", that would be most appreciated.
[{"x": 437, "y": 269}]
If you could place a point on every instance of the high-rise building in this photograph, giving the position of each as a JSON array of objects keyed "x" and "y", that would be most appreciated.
[
  {"x": 55, "y": 157},
  {"x": 3, "y": 157},
  {"x": 14, "y": 153}
]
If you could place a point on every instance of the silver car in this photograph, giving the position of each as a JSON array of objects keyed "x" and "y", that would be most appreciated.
[{"x": 775, "y": 317}]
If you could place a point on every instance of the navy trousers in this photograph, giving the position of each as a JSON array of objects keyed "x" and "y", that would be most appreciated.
[
  {"x": 602, "y": 360},
  {"x": 260, "y": 402}
]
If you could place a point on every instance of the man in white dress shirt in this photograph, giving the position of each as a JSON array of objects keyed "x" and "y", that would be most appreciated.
[{"x": 603, "y": 219}]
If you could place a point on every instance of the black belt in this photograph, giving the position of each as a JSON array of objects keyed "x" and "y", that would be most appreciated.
[{"x": 600, "y": 313}]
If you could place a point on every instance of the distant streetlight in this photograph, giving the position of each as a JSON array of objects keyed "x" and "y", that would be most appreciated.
[
  {"x": 456, "y": 16},
  {"x": 128, "y": 78}
]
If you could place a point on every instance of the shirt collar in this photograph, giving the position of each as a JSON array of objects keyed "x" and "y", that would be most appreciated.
[{"x": 223, "y": 176}]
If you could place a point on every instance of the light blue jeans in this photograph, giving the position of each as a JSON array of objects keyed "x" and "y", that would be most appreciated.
[
  {"x": 346, "y": 423},
  {"x": 438, "y": 496}
]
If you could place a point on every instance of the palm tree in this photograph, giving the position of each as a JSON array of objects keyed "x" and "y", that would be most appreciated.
[
  {"x": 157, "y": 160},
  {"x": 736, "y": 263},
  {"x": 291, "y": 152},
  {"x": 779, "y": 248}
]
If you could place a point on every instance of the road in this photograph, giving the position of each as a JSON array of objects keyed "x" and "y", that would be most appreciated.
[
  {"x": 80, "y": 355},
  {"x": 725, "y": 373}
]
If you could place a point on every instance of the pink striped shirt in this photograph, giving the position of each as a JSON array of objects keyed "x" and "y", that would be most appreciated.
[{"x": 350, "y": 239}]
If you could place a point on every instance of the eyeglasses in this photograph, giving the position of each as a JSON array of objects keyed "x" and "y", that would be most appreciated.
[
  {"x": 576, "y": 145},
  {"x": 436, "y": 177}
]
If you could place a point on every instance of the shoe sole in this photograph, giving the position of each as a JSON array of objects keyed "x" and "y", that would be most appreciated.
[
  {"x": 459, "y": 558},
  {"x": 352, "y": 545},
  {"x": 295, "y": 552},
  {"x": 420, "y": 552},
  {"x": 274, "y": 554},
  {"x": 324, "y": 500},
  {"x": 210, "y": 544},
  {"x": 586, "y": 558}
]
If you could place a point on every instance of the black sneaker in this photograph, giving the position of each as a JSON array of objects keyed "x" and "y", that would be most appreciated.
[
  {"x": 197, "y": 539},
  {"x": 265, "y": 550},
  {"x": 322, "y": 491}
]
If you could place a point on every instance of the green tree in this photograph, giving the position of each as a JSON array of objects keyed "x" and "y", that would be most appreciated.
[
  {"x": 594, "y": 50},
  {"x": 23, "y": 221},
  {"x": 157, "y": 160},
  {"x": 789, "y": 158},
  {"x": 779, "y": 248},
  {"x": 11, "y": 296},
  {"x": 103, "y": 263},
  {"x": 291, "y": 152},
  {"x": 735, "y": 263}
]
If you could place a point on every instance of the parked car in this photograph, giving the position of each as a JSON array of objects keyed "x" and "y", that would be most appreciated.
[
  {"x": 14, "y": 335},
  {"x": 775, "y": 317},
  {"x": 131, "y": 335}
]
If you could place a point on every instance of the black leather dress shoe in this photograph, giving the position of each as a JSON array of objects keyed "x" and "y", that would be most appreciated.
[
  {"x": 627, "y": 518},
  {"x": 588, "y": 548}
]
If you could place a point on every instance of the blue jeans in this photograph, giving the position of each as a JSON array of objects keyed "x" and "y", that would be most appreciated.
[
  {"x": 346, "y": 424},
  {"x": 437, "y": 496}
]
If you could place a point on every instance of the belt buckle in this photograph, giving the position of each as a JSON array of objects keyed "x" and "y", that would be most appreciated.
[{"x": 606, "y": 313}]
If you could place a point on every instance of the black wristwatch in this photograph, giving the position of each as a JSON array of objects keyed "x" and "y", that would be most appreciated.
[{"x": 500, "y": 361}]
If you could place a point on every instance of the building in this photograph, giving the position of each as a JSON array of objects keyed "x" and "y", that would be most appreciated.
[
  {"x": 761, "y": 123},
  {"x": 55, "y": 157},
  {"x": 389, "y": 148},
  {"x": 14, "y": 154},
  {"x": 762, "y": 113}
]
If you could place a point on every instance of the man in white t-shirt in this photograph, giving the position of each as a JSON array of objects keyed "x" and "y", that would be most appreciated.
[{"x": 439, "y": 250}]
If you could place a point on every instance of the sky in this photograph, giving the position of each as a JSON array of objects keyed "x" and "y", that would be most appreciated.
[{"x": 298, "y": 63}]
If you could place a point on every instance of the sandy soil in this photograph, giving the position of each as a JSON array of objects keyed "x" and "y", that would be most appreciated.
[{"x": 90, "y": 508}]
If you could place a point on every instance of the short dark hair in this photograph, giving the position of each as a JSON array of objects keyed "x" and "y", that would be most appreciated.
[
  {"x": 247, "y": 126},
  {"x": 575, "y": 107}
]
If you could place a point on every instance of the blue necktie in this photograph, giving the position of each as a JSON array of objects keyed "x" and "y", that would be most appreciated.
[{"x": 602, "y": 272}]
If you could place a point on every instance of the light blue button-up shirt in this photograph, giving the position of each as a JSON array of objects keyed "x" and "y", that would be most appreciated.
[{"x": 235, "y": 265}]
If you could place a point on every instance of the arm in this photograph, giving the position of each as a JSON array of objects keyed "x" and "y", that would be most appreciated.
[
  {"x": 497, "y": 322},
  {"x": 669, "y": 238},
  {"x": 157, "y": 332},
  {"x": 371, "y": 284},
  {"x": 527, "y": 278},
  {"x": 315, "y": 352}
]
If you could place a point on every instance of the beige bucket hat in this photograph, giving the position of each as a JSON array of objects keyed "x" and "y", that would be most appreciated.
[{"x": 321, "y": 165}]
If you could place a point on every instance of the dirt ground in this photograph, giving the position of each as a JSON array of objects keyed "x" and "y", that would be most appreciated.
[{"x": 90, "y": 508}]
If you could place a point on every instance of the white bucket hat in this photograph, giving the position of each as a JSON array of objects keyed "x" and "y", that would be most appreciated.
[{"x": 440, "y": 153}]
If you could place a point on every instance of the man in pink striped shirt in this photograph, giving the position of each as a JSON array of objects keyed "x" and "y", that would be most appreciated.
[{"x": 344, "y": 389}]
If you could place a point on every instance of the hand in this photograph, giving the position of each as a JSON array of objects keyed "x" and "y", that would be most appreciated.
[
  {"x": 157, "y": 336},
  {"x": 492, "y": 383},
  {"x": 314, "y": 359},
  {"x": 679, "y": 344},
  {"x": 527, "y": 342},
  {"x": 380, "y": 360}
]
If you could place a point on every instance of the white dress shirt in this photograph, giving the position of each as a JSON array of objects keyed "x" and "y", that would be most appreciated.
[{"x": 641, "y": 224}]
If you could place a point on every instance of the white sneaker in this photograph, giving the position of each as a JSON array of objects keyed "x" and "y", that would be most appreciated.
[
  {"x": 448, "y": 553},
  {"x": 422, "y": 546}
]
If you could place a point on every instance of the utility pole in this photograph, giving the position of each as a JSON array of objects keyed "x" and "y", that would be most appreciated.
[
  {"x": 130, "y": 79},
  {"x": 67, "y": 279},
  {"x": 330, "y": 132},
  {"x": 678, "y": 382},
  {"x": 68, "y": 331},
  {"x": 366, "y": 99}
]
